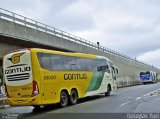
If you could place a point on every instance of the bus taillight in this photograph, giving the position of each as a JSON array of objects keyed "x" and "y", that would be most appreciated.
[
  {"x": 35, "y": 89},
  {"x": 6, "y": 90}
]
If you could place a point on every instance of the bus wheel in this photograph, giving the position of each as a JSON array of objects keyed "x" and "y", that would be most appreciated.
[
  {"x": 108, "y": 90},
  {"x": 63, "y": 99},
  {"x": 73, "y": 97},
  {"x": 37, "y": 106}
]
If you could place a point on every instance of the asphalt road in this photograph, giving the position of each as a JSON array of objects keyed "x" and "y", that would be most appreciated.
[{"x": 135, "y": 99}]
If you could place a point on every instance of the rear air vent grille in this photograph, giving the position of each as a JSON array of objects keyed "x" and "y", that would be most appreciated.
[{"x": 18, "y": 77}]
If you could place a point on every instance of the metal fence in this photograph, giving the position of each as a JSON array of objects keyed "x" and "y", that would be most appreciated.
[{"x": 27, "y": 22}]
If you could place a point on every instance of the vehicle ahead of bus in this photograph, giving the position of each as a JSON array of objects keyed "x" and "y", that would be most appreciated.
[
  {"x": 148, "y": 77},
  {"x": 40, "y": 77}
]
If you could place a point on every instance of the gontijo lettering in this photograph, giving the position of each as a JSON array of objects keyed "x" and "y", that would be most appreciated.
[
  {"x": 17, "y": 70},
  {"x": 75, "y": 76}
]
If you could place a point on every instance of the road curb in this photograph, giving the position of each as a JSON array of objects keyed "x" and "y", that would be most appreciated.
[
  {"x": 3, "y": 103},
  {"x": 4, "y": 106}
]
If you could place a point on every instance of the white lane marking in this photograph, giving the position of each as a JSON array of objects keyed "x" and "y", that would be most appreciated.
[
  {"x": 138, "y": 98},
  {"x": 124, "y": 104},
  {"x": 153, "y": 93}
]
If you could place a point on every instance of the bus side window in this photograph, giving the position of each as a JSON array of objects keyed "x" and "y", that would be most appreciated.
[
  {"x": 91, "y": 65},
  {"x": 103, "y": 68},
  {"x": 117, "y": 71},
  {"x": 69, "y": 63},
  {"x": 57, "y": 62},
  {"x": 46, "y": 61},
  {"x": 114, "y": 72},
  {"x": 81, "y": 64},
  {"x": 102, "y": 65},
  {"x": 107, "y": 69}
]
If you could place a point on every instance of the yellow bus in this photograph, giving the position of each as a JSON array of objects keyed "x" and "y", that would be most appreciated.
[{"x": 41, "y": 77}]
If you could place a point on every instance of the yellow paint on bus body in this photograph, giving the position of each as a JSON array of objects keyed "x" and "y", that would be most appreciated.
[{"x": 49, "y": 83}]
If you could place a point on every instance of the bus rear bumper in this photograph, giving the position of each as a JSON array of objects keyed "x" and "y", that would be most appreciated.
[
  {"x": 146, "y": 80},
  {"x": 23, "y": 101}
]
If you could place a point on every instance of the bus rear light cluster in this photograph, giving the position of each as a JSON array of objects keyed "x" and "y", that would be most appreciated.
[
  {"x": 6, "y": 91},
  {"x": 33, "y": 100},
  {"x": 35, "y": 89},
  {"x": 19, "y": 101}
]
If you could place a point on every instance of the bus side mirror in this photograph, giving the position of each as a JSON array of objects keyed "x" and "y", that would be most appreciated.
[{"x": 117, "y": 71}]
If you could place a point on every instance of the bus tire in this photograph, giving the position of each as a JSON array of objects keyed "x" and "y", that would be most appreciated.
[
  {"x": 108, "y": 93},
  {"x": 73, "y": 97},
  {"x": 63, "y": 99},
  {"x": 37, "y": 106}
]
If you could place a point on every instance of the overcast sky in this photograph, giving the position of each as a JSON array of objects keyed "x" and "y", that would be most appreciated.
[{"x": 131, "y": 27}]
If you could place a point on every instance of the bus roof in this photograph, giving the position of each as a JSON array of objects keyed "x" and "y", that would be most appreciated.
[{"x": 69, "y": 53}]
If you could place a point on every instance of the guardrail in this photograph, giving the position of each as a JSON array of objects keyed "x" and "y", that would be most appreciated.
[{"x": 27, "y": 22}]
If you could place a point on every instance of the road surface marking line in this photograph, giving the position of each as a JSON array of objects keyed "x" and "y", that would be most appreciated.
[
  {"x": 138, "y": 98},
  {"x": 148, "y": 94},
  {"x": 124, "y": 104}
]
